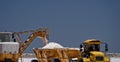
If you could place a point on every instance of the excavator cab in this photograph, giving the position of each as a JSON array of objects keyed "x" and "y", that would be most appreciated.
[
  {"x": 8, "y": 43},
  {"x": 8, "y": 46},
  {"x": 6, "y": 37}
]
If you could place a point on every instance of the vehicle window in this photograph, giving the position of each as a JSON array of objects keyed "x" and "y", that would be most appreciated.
[{"x": 4, "y": 38}]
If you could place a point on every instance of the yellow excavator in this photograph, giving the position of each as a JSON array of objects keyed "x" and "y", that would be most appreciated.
[{"x": 12, "y": 46}]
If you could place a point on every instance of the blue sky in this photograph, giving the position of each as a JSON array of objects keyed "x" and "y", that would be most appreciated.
[{"x": 70, "y": 21}]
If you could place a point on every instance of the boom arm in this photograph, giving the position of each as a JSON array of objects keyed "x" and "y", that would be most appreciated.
[{"x": 42, "y": 34}]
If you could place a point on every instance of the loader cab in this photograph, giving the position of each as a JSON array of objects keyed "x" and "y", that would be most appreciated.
[{"x": 93, "y": 45}]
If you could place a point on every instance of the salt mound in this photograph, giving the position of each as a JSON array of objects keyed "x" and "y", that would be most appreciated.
[{"x": 52, "y": 45}]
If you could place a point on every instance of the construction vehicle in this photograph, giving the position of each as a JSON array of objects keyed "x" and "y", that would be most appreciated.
[
  {"x": 8, "y": 47},
  {"x": 12, "y": 46},
  {"x": 89, "y": 51},
  {"x": 54, "y": 53}
]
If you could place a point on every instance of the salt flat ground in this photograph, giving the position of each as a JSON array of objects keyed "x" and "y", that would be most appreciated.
[{"x": 113, "y": 59}]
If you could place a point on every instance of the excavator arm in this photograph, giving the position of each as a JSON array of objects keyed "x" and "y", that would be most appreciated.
[{"x": 42, "y": 33}]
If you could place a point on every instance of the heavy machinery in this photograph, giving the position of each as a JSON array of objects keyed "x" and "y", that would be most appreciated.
[
  {"x": 53, "y": 54},
  {"x": 8, "y": 47},
  {"x": 89, "y": 52},
  {"x": 12, "y": 47}
]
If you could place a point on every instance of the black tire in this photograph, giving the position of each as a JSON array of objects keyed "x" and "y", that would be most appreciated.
[
  {"x": 81, "y": 60},
  {"x": 8, "y": 60},
  {"x": 56, "y": 60},
  {"x": 34, "y": 61}
]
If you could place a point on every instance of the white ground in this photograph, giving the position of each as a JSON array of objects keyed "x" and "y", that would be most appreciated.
[
  {"x": 115, "y": 59},
  {"x": 29, "y": 59},
  {"x": 26, "y": 59}
]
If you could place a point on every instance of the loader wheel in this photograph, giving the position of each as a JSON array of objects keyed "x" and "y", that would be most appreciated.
[
  {"x": 81, "y": 60},
  {"x": 56, "y": 60},
  {"x": 34, "y": 61}
]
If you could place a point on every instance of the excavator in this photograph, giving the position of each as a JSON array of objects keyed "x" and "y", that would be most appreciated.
[{"x": 12, "y": 46}]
